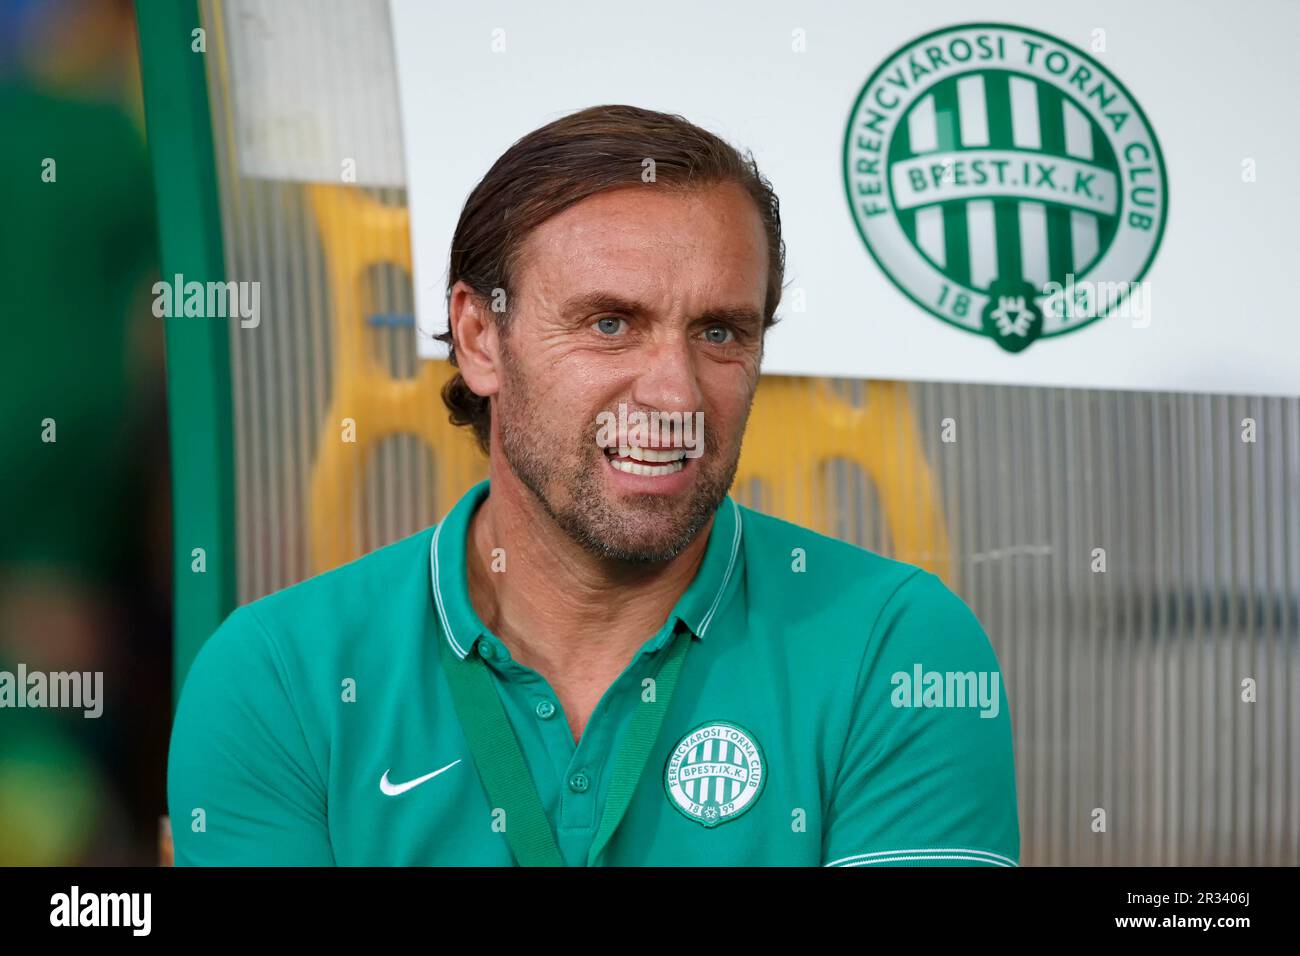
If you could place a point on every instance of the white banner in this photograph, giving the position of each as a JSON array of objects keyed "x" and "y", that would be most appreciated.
[
  {"x": 1031, "y": 192},
  {"x": 315, "y": 98}
]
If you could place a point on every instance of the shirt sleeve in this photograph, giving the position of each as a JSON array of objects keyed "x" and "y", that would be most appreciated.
[
  {"x": 242, "y": 788},
  {"x": 928, "y": 772}
]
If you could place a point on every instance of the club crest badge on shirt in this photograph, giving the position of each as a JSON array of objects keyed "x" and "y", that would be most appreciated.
[{"x": 715, "y": 773}]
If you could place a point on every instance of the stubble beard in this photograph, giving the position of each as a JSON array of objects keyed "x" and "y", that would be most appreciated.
[{"x": 566, "y": 476}]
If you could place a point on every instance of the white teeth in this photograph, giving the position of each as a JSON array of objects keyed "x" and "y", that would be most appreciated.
[
  {"x": 652, "y": 471},
  {"x": 652, "y": 454}
]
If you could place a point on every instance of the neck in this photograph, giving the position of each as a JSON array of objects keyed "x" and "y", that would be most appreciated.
[{"x": 558, "y": 608}]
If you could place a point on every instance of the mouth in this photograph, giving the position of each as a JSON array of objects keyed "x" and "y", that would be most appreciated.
[{"x": 646, "y": 462}]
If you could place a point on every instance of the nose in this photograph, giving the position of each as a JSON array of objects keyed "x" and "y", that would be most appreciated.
[{"x": 668, "y": 381}]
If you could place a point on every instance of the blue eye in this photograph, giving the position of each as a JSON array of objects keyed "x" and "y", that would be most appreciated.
[
  {"x": 727, "y": 334},
  {"x": 609, "y": 325}
]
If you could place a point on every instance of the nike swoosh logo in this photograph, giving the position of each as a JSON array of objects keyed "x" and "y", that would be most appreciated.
[{"x": 395, "y": 789}]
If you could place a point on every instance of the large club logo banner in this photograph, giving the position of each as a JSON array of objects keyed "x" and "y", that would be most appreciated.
[
  {"x": 1034, "y": 193},
  {"x": 990, "y": 169}
]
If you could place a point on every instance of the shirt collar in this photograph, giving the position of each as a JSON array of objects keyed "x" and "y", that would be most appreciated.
[{"x": 462, "y": 626}]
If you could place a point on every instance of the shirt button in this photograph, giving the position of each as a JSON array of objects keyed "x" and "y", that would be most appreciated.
[
  {"x": 578, "y": 783},
  {"x": 545, "y": 709},
  {"x": 485, "y": 650}
]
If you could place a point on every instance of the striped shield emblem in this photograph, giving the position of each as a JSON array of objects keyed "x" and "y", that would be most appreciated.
[
  {"x": 1005, "y": 181},
  {"x": 715, "y": 773}
]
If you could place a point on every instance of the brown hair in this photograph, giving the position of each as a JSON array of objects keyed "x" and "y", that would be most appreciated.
[{"x": 561, "y": 164}]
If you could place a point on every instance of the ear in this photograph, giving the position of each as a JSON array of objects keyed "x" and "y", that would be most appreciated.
[{"x": 474, "y": 330}]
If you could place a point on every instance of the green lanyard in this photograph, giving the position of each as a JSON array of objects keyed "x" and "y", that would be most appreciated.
[{"x": 505, "y": 776}]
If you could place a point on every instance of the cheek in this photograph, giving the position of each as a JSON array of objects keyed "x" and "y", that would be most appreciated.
[
  {"x": 731, "y": 386},
  {"x": 725, "y": 415},
  {"x": 556, "y": 410}
]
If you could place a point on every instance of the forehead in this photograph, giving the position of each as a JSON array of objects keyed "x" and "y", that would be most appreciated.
[{"x": 649, "y": 240}]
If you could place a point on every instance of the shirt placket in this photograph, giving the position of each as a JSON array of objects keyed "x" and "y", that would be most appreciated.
[{"x": 575, "y": 783}]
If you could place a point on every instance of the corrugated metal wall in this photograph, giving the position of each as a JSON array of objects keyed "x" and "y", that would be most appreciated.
[{"x": 1125, "y": 686}]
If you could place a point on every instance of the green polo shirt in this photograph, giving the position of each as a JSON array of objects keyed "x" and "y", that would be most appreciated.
[{"x": 816, "y": 720}]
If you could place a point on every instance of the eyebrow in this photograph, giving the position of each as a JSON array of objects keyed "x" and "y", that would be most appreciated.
[{"x": 610, "y": 302}]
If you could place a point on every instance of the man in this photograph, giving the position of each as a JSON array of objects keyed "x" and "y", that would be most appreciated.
[{"x": 598, "y": 657}]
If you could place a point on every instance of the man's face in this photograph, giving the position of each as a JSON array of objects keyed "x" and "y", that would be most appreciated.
[{"x": 648, "y": 296}]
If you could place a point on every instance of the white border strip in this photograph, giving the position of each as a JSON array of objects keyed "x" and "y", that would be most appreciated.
[
  {"x": 928, "y": 853},
  {"x": 735, "y": 550},
  {"x": 437, "y": 595}
]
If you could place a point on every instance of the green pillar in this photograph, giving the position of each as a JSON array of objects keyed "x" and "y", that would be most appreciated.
[{"x": 179, "y": 130}]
